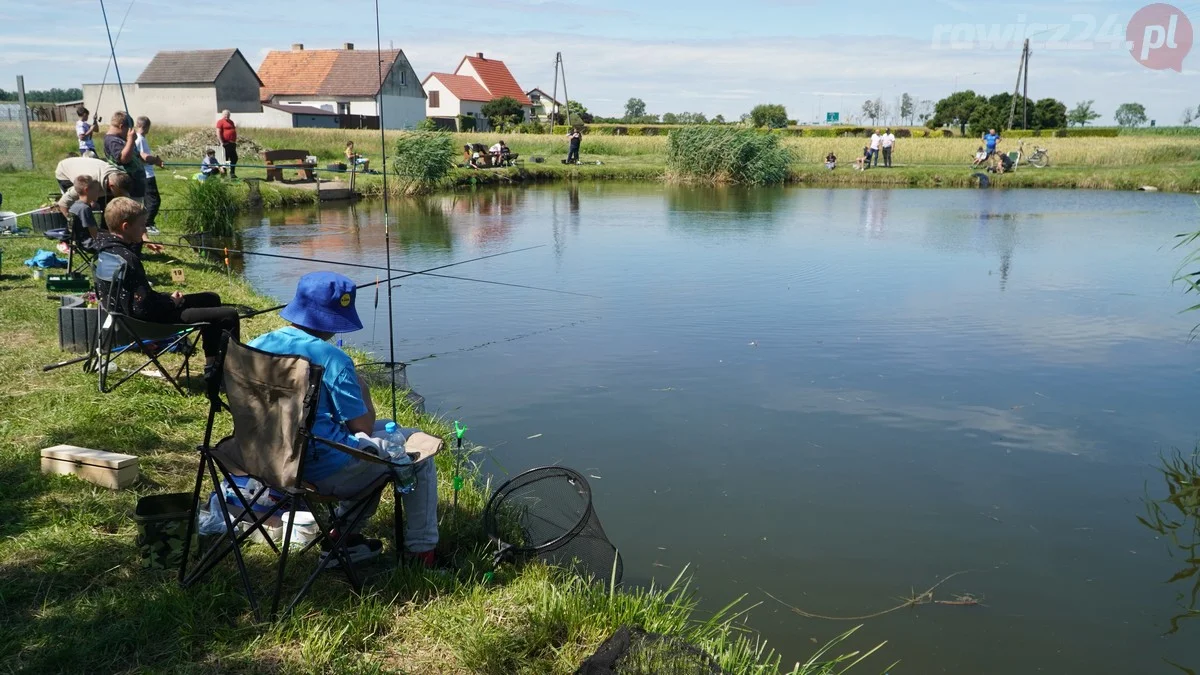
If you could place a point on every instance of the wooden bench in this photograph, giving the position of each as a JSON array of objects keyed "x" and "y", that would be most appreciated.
[{"x": 299, "y": 157}]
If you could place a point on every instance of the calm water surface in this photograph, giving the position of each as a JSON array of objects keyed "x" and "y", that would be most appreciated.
[{"x": 831, "y": 396}]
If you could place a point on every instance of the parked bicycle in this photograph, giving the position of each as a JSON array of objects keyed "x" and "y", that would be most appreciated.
[{"x": 1040, "y": 157}]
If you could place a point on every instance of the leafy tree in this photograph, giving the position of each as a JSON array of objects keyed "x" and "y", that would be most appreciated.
[
  {"x": 635, "y": 109},
  {"x": 956, "y": 109},
  {"x": 908, "y": 107},
  {"x": 54, "y": 95},
  {"x": 503, "y": 112},
  {"x": 1049, "y": 113},
  {"x": 1130, "y": 114},
  {"x": 1082, "y": 113},
  {"x": 984, "y": 117},
  {"x": 670, "y": 118},
  {"x": 924, "y": 111},
  {"x": 1188, "y": 116},
  {"x": 770, "y": 115},
  {"x": 719, "y": 119},
  {"x": 872, "y": 110},
  {"x": 578, "y": 112}
]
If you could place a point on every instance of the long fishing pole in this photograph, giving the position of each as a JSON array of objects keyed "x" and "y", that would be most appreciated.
[
  {"x": 116, "y": 66},
  {"x": 387, "y": 228},
  {"x": 389, "y": 269},
  {"x": 402, "y": 276},
  {"x": 108, "y": 66}
]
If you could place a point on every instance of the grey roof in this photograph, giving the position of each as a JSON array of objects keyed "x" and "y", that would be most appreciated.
[
  {"x": 200, "y": 66},
  {"x": 300, "y": 109}
]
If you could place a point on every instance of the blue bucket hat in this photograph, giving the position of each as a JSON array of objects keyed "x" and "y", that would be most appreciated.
[{"x": 324, "y": 302}]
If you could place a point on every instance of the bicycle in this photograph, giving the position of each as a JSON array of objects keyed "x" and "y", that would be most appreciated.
[{"x": 1039, "y": 159}]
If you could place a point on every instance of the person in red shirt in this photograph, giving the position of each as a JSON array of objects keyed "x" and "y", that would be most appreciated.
[{"x": 227, "y": 137}]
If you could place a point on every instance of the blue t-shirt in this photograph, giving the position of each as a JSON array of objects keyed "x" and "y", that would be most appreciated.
[
  {"x": 341, "y": 397},
  {"x": 991, "y": 139}
]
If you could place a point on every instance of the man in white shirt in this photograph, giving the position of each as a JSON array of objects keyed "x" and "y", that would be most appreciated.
[
  {"x": 887, "y": 141},
  {"x": 152, "y": 200},
  {"x": 875, "y": 140}
]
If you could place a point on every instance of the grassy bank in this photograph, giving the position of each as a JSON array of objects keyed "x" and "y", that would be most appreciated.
[
  {"x": 75, "y": 598},
  {"x": 1170, "y": 163}
]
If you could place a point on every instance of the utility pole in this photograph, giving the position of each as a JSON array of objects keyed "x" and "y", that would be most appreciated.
[
  {"x": 1022, "y": 70},
  {"x": 560, "y": 68}
]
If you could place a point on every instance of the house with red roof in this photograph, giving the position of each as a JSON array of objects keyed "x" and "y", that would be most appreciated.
[
  {"x": 474, "y": 82},
  {"x": 342, "y": 82}
]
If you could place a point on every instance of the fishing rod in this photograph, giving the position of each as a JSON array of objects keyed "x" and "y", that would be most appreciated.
[
  {"x": 403, "y": 276},
  {"x": 387, "y": 227},
  {"x": 108, "y": 66},
  {"x": 388, "y": 269},
  {"x": 116, "y": 66}
]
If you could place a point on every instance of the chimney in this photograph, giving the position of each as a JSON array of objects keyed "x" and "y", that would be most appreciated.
[
  {"x": 348, "y": 46},
  {"x": 479, "y": 55},
  {"x": 297, "y": 47}
]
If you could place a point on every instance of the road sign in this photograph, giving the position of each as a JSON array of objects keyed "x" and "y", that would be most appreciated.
[{"x": 831, "y": 117}]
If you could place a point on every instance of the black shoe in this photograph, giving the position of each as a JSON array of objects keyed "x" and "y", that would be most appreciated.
[{"x": 358, "y": 548}]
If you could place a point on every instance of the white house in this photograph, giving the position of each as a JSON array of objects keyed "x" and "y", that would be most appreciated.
[
  {"x": 474, "y": 82},
  {"x": 544, "y": 105},
  {"x": 183, "y": 88},
  {"x": 345, "y": 82}
]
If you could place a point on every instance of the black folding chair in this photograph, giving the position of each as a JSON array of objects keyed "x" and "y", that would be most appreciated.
[
  {"x": 79, "y": 244},
  {"x": 120, "y": 334},
  {"x": 273, "y": 401}
]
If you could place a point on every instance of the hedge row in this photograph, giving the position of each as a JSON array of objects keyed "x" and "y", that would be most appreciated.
[{"x": 900, "y": 132}]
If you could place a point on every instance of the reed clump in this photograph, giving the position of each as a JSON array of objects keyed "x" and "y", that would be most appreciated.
[{"x": 721, "y": 155}]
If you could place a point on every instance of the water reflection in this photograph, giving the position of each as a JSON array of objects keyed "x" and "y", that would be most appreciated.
[
  {"x": 1176, "y": 519},
  {"x": 728, "y": 199}
]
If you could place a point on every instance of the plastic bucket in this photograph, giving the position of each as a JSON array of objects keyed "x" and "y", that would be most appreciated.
[
  {"x": 304, "y": 528},
  {"x": 162, "y": 522}
]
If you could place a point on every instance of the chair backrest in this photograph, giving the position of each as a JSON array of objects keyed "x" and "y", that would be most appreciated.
[
  {"x": 273, "y": 399},
  {"x": 109, "y": 276}
]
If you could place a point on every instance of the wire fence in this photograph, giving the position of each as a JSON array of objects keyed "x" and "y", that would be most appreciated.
[{"x": 14, "y": 137}]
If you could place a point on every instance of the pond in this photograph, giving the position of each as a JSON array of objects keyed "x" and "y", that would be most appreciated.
[{"x": 837, "y": 397}]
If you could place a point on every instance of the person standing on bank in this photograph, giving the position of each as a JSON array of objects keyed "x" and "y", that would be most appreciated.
[
  {"x": 143, "y": 148},
  {"x": 84, "y": 132},
  {"x": 120, "y": 146},
  {"x": 227, "y": 137},
  {"x": 873, "y": 159},
  {"x": 887, "y": 141},
  {"x": 574, "y": 138}
]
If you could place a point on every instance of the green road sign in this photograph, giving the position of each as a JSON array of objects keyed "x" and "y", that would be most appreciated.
[{"x": 832, "y": 116}]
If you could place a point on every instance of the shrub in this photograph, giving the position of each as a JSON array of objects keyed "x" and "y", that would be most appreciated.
[
  {"x": 466, "y": 123},
  {"x": 903, "y": 133},
  {"x": 726, "y": 155},
  {"x": 530, "y": 128},
  {"x": 422, "y": 159},
  {"x": 820, "y": 133},
  {"x": 209, "y": 208},
  {"x": 427, "y": 124}
]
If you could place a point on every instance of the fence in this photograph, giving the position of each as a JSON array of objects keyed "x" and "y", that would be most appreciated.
[{"x": 14, "y": 137}]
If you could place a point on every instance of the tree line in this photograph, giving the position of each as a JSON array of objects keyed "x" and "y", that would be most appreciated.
[{"x": 54, "y": 95}]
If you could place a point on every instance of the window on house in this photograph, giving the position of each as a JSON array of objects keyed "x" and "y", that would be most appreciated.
[
  {"x": 535, "y": 98},
  {"x": 435, "y": 99},
  {"x": 343, "y": 109},
  {"x": 403, "y": 78}
]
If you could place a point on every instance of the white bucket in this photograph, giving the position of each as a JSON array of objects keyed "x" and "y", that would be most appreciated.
[{"x": 304, "y": 528}]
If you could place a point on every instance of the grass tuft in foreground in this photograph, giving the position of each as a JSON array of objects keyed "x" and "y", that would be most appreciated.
[{"x": 75, "y": 597}]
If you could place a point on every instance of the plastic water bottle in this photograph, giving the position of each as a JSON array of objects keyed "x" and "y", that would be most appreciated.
[{"x": 406, "y": 478}]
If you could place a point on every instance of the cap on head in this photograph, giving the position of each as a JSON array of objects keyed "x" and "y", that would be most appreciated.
[{"x": 324, "y": 302}]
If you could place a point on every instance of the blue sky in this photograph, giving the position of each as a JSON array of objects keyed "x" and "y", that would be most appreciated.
[{"x": 710, "y": 56}]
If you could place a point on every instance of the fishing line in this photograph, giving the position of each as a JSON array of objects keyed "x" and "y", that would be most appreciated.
[
  {"x": 116, "y": 66},
  {"x": 393, "y": 269},
  {"x": 511, "y": 338},
  {"x": 404, "y": 276}
]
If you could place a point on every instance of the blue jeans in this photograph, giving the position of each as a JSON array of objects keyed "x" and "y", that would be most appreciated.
[{"x": 420, "y": 505}]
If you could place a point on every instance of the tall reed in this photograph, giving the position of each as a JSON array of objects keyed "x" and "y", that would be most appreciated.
[{"x": 719, "y": 154}]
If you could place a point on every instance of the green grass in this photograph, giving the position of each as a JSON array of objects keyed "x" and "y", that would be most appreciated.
[{"x": 75, "y": 598}]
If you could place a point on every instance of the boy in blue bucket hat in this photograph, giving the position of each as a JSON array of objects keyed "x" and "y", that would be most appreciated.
[{"x": 323, "y": 307}]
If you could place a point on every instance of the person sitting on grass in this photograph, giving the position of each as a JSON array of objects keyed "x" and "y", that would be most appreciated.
[
  {"x": 980, "y": 157},
  {"x": 470, "y": 158},
  {"x": 831, "y": 161},
  {"x": 354, "y": 159},
  {"x": 499, "y": 153},
  {"x": 209, "y": 166},
  {"x": 126, "y": 220},
  {"x": 324, "y": 305},
  {"x": 861, "y": 163}
]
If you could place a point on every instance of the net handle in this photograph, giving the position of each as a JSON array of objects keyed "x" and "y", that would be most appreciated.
[{"x": 509, "y": 549}]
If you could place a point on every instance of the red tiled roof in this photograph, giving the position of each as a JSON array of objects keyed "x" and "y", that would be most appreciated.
[
  {"x": 463, "y": 87},
  {"x": 496, "y": 78},
  {"x": 323, "y": 72}
]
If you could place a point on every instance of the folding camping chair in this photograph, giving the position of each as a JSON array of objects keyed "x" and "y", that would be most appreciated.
[
  {"x": 79, "y": 244},
  {"x": 273, "y": 401},
  {"x": 120, "y": 334}
]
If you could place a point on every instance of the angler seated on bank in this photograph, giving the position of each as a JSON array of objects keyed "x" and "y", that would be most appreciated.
[
  {"x": 126, "y": 221},
  {"x": 323, "y": 307}
]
